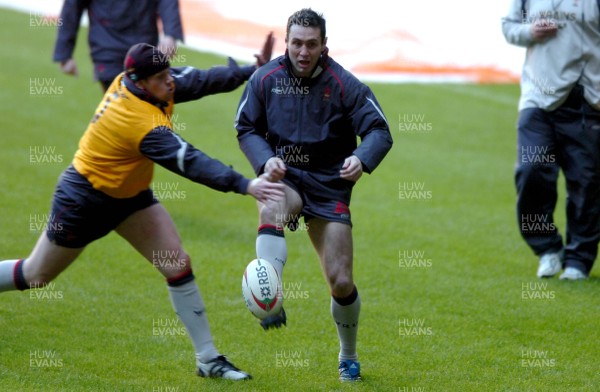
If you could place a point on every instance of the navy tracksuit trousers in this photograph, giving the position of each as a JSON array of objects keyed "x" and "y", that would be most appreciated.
[{"x": 567, "y": 138}]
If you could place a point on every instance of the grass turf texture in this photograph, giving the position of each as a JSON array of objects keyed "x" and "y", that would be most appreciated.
[{"x": 468, "y": 317}]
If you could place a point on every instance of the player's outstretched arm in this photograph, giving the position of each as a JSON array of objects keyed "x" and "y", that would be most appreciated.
[
  {"x": 192, "y": 83},
  {"x": 172, "y": 152}
]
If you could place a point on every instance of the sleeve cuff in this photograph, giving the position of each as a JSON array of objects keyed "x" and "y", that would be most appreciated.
[{"x": 243, "y": 186}]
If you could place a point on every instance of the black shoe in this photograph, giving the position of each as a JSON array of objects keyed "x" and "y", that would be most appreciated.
[
  {"x": 220, "y": 367},
  {"x": 275, "y": 321}
]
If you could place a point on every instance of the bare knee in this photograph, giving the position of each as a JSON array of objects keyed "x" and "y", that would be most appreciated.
[
  {"x": 342, "y": 288},
  {"x": 280, "y": 212},
  {"x": 172, "y": 263},
  {"x": 340, "y": 283},
  {"x": 271, "y": 213}
]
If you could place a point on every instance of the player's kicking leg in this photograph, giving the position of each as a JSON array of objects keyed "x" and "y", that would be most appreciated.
[
  {"x": 333, "y": 243},
  {"x": 270, "y": 241},
  {"x": 152, "y": 232},
  {"x": 46, "y": 262}
]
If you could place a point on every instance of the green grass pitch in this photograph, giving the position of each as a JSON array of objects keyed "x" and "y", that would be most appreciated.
[{"x": 449, "y": 294}]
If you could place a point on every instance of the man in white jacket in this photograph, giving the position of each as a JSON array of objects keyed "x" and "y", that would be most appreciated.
[{"x": 558, "y": 128}]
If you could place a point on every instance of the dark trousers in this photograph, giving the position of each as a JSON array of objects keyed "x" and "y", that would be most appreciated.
[{"x": 567, "y": 138}]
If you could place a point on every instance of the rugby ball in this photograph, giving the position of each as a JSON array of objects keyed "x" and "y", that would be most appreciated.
[{"x": 261, "y": 288}]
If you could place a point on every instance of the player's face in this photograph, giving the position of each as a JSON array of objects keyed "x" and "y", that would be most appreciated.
[
  {"x": 304, "y": 46},
  {"x": 161, "y": 85}
]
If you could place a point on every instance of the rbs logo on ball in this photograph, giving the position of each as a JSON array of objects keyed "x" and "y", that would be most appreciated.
[{"x": 263, "y": 279}]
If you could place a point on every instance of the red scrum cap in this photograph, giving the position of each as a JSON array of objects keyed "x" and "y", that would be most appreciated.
[{"x": 143, "y": 60}]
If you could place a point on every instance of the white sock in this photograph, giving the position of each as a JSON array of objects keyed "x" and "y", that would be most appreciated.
[
  {"x": 345, "y": 316},
  {"x": 271, "y": 246},
  {"x": 7, "y": 270},
  {"x": 189, "y": 306}
]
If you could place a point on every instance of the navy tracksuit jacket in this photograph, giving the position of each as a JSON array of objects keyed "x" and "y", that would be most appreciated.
[{"x": 314, "y": 120}]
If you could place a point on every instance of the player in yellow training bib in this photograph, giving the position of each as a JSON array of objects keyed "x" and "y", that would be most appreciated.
[{"x": 107, "y": 187}]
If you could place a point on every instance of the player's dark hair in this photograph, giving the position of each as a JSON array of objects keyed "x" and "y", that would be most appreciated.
[{"x": 308, "y": 18}]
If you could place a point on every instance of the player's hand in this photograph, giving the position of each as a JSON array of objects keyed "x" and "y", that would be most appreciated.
[
  {"x": 168, "y": 45},
  {"x": 263, "y": 190},
  {"x": 352, "y": 169},
  {"x": 69, "y": 67},
  {"x": 267, "y": 51},
  {"x": 275, "y": 169},
  {"x": 543, "y": 29}
]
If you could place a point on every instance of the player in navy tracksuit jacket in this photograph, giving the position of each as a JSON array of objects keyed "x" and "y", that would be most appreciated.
[
  {"x": 298, "y": 121},
  {"x": 312, "y": 123},
  {"x": 115, "y": 25}
]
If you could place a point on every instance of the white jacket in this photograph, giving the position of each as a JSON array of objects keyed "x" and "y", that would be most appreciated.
[{"x": 554, "y": 66}]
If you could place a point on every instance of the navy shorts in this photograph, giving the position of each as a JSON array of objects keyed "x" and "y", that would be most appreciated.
[
  {"x": 81, "y": 214},
  {"x": 324, "y": 196}
]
